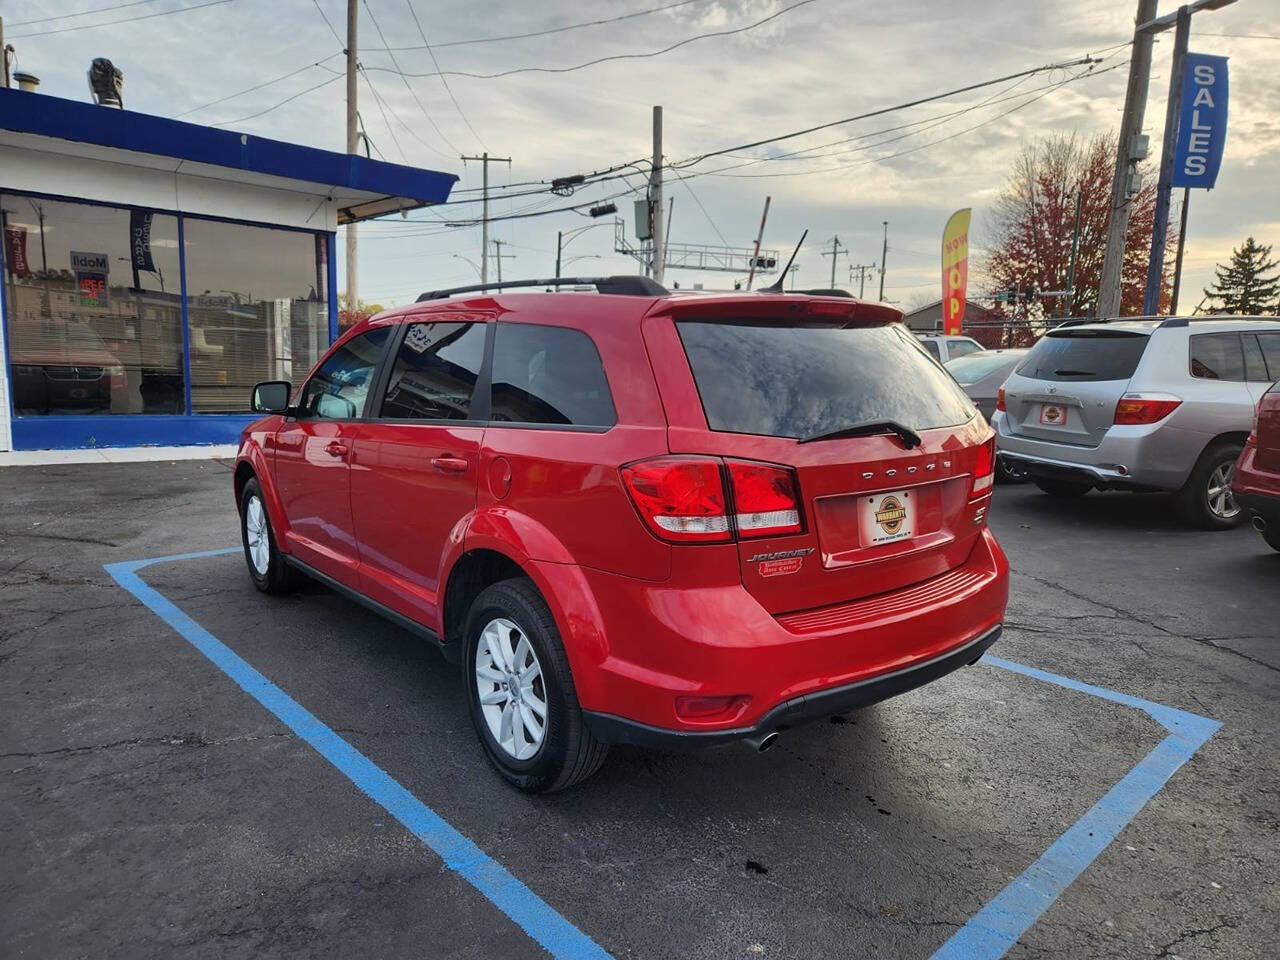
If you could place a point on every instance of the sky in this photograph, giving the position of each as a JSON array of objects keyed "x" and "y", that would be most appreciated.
[{"x": 814, "y": 62}]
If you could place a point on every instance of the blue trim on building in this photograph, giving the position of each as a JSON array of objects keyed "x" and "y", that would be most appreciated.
[
  {"x": 333, "y": 287},
  {"x": 127, "y": 430},
  {"x": 186, "y": 327},
  {"x": 80, "y": 122}
]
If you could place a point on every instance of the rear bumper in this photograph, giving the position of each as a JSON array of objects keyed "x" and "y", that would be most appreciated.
[
  {"x": 1257, "y": 491},
  {"x": 798, "y": 710},
  {"x": 1156, "y": 457},
  {"x": 636, "y": 647}
]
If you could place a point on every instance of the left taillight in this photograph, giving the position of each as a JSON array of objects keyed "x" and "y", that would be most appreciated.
[
  {"x": 1138, "y": 409},
  {"x": 984, "y": 471},
  {"x": 680, "y": 498}
]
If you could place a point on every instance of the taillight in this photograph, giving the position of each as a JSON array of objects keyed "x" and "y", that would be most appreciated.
[
  {"x": 1000, "y": 399},
  {"x": 680, "y": 498},
  {"x": 984, "y": 472},
  {"x": 1138, "y": 410},
  {"x": 764, "y": 498}
]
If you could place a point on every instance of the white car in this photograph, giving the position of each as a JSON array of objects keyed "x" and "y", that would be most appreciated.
[{"x": 946, "y": 348}]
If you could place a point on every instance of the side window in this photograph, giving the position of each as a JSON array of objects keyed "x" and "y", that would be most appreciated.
[
  {"x": 932, "y": 347},
  {"x": 1270, "y": 343},
  {"x": 548, "y": 375},
  {"x": 435, "y": 373},
  {"x": 337, "y": 391},
  {"x": 961, "y": 348},
  {"x": 1217, "y": 356},
  {"x": 1255, "y": 368}
]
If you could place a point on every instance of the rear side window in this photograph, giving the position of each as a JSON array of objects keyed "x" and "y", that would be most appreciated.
[
  {"x": 961, "y": 348},
  {"x": 1270, "y": 343},
  {"x": 548, "y": 375},
  {"x": 435, "y": 372},
  {"x": 1217, "y": 356},
  {"x": 932, "y": 347},
  {"x": 1085, "y": 355},
  {"x": 784, "y": 380}
]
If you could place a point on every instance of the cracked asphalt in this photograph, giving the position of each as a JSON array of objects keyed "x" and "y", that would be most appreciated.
[{"x": 149, "y": 808}]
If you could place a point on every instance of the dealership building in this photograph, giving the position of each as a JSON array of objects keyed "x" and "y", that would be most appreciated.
[{"x": 155, "y": 270}]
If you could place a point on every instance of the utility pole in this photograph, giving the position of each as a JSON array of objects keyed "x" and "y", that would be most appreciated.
[
  {"x": 884, "y": 257},
  {"x": 1135, "y": 105},
  {"x": 353, "y": 141},
  {"x": 861, "y": 269},
  {"x": 655, "y": 199},
  {"x": 559, "y": 247},
  {"x": 1182, "y": 245},
  {"x": 485, "y": 160},
  {"x": 836, "y": 246},
  {"x": 498, "y": 255},
  {"x": 755, "y": 256}
]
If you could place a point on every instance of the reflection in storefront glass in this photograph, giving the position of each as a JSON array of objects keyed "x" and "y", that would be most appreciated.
[
  {"x": 94, "y": 308},
  {"x": 257, "y": 309}
]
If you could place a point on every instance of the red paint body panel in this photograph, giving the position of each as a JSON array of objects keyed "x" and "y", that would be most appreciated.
[
  {"x": 645, "y": 620},
  {"x": 1257, "y": 476}
]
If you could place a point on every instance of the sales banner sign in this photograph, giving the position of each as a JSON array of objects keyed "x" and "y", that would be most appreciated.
[
  {"x": 15, "y": 251},
  {"x": 140, "y": 240},
  {"x": 955, "y": 270},
  {"x": 1202, "y": 127}
]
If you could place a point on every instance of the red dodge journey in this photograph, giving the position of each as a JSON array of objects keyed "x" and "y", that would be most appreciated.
[{"x": 635, "y": 516}]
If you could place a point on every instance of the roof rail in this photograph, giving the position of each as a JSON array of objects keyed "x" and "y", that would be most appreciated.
[
  {"x": 1081, "y": 321},
  {"x": 1186, "y": 321},
  {"x": 625, "y": 285}
]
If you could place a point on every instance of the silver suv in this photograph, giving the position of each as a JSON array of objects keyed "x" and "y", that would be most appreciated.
[{"x": 1141, "y": 404}]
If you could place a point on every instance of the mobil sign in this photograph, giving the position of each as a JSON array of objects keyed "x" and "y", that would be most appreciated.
[{"x": 1202, "y": 127}]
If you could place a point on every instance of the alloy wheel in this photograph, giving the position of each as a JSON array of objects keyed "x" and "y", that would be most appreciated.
[
  {"x": 256, "y": 536},
  {"x": 1222, "y": 502},
  {"x": 513, "y": 696}
]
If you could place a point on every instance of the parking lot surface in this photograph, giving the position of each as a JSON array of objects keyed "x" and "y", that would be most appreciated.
[{"x": 153, "y": 807}]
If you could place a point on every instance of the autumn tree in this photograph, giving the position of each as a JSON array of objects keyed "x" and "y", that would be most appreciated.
[
  {"x": 350, "y": 314},
  {"x": 1247, "y": 285},
  {"x": 1031, "y": 222}
]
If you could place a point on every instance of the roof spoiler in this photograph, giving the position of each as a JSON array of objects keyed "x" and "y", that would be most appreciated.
[{"x": 625, "y": 285}]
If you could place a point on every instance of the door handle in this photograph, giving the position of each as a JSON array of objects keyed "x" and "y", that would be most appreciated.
[
  {"x": 335, "y": 449},
  {"x": 450, "y": 464}
]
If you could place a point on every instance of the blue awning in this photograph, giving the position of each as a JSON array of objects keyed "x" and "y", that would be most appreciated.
[{"x": 362, "y": 187}]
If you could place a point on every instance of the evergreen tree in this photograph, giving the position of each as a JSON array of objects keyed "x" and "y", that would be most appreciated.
[{"x": 1248, "y": 284}]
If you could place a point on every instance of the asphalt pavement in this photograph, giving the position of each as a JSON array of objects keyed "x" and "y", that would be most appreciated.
[{"x": 155, "y": 802}]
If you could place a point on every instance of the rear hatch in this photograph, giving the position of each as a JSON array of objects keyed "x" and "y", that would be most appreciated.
[
  {"x": 766, "y": 379},
  {"x": 1067, "y": 388}
]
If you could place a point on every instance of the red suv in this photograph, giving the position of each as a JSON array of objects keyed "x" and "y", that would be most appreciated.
[
  {"x": 1256, "y": 483},
  {"x": 635, "y": 516}
]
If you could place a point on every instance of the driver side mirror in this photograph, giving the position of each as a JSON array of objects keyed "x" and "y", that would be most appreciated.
[{"x": 271, "y": 396}]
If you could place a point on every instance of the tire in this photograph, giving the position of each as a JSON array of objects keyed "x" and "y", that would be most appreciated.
[
  {"x": 267, "y": 567},
  {"x": 1210, "y": 484},
  {"x": 1065, "y": 489},
  {"x": 513, "y": 614}
]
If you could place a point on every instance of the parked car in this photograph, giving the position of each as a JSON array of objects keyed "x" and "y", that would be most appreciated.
[
  {"x": 945, "y": 348},
  {"x": 1144, "y": 404},
  {"x": 637, "y": 517},
  {"x": 1256, "y": 483},
  {"x": 982, "y": 374},
  {"x": 63, "y": 367}
]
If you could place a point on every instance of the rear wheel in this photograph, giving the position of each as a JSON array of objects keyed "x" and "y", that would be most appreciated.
[
  {"x": 523, "y": 702},
  {"x": 1205, "y": 500},
  {"x": 1066, "y": 489},
  {"x": 267, "y": 567}
]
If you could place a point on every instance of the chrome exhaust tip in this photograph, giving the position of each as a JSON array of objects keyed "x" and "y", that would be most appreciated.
[
  {"x": 761, "y": 742},
  {"x": 1259, "y": 524}
]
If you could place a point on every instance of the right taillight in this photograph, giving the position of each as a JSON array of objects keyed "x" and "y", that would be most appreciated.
[
  {"x": 764, "y": 499},
  {"x": 1000, "y": 399},
  {"x": 984, "y": 471},
  {"x": 1137, "y": 410}
]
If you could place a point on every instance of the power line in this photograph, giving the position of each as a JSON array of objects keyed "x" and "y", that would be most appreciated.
[
  {"x": 621, "y": 56},
  {"x": 382, "y": 109},
  {"x": 276, "y": 106},
  {"x": 325, "y": 17},
  {"x": 683, "y": 179},
  {"x": 265, "y": 83},
  {"x": 1240, "y": 36},
  {"x": 564, "y": 29},
  {"x": 413, "y": 93},
  {"x": 109, "y": 23},
  {"x": 457, "y": 106},
  {"x": 82, "y": 13}
]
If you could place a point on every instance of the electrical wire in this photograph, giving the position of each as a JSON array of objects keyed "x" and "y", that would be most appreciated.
[
  {"x": 325, "y": 17},
  {"x": 457, "y": 106},
  {"x": 599, "y": 60},
  {"x": 382, "y": 109},
  {"x": 685, "y": 180},
  {"x": 413, "y": 93},
  {"x": 266, "y": 83},
  {"x": 276, "y": 106},
  {"x": 109, "y": 23},
  {"x": 82, "y": 13}
]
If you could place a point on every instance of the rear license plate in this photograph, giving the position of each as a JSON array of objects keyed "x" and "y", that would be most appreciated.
[
  {"x": 1052, "y": 415},
  {"x": 887, "y": 517}
]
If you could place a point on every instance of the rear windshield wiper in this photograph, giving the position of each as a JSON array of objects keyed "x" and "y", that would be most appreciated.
[
  {"x": 870, "y": 428},
  {"x": 1074, "y": 373}
]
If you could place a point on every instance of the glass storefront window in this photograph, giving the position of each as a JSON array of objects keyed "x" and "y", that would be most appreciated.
[
  {"x": 94, "y": 308},
  {"x": 257, "y": 309}
]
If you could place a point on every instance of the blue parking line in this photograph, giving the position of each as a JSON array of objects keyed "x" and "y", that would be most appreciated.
[
  {"x": 996, "y": 927},
  {"x": 531, "y": 913},
  {"x": 987, "y": 936}
]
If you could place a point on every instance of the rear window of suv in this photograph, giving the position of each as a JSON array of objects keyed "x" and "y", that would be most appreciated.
[
  {"x": 780, "y": 380},
  {"x": 1085, "y": 355}
]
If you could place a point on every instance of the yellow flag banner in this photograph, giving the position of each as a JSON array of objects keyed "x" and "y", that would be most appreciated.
[{"x": 955, "y": 270}]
